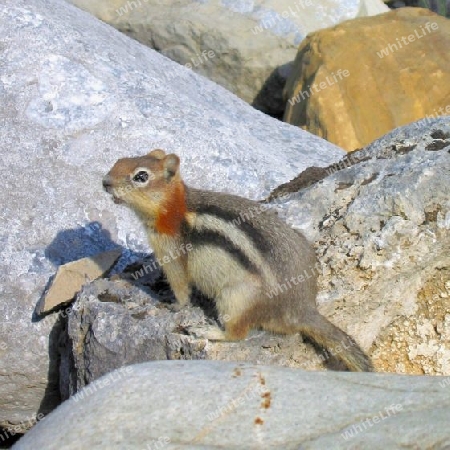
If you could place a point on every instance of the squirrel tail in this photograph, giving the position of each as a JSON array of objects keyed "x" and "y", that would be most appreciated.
[{"x": 338, "y": 343}]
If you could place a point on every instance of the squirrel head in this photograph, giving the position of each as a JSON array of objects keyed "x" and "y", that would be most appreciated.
[{"x": 151, "y": 185}]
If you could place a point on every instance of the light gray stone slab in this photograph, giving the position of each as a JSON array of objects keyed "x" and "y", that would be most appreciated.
[{"x": 205, "y": 404}]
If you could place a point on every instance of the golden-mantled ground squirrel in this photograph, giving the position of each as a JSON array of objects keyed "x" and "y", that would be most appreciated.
[{"x": 260, "y": 272}]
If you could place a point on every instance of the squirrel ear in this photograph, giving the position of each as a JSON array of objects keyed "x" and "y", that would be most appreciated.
[
  {"x": 171, "y": 165},
  {"x": 157, "y": 153}
]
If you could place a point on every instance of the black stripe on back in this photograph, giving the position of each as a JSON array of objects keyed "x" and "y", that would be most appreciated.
[
  {"x": 209, "y": 237},
  {"x": 240, "y": 222}
]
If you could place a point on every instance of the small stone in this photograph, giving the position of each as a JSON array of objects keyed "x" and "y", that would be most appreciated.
[{"x": 71, "y": 277}]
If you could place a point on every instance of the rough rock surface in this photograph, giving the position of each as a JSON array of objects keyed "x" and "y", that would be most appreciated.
[
  {"x": 115, "y": 323},
  {"x": 75, "y": 98},
  {"x": 206, "y": 404},
  {"x": 245, "y": 46},
  {"x": 352, "y": 83},
  {"x": 382, "y": 232}
]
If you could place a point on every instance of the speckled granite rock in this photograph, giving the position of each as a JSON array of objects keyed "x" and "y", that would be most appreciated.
[
  {"x": 382, "y": 230},
  {"x": 75, "y": 98},
  {"x": 245, "y": 46},
  {"x": 206, "y": 404}
]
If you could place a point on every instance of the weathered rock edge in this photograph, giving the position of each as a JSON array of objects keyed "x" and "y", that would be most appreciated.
[{"x": 204, "y": 404}]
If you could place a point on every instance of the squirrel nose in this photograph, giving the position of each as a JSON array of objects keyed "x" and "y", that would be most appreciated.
[{"x": 107, "y": 182}]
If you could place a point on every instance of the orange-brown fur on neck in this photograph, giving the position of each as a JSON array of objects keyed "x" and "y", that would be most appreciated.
[
  {"x": 172, "y": 211},
  {"x": 161, "y": 204}
]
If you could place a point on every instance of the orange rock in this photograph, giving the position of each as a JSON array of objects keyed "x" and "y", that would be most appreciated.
[{"x": 357, "y": 81}]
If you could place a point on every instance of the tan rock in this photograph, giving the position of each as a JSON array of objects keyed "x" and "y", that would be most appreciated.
[
  {"x": 357, "y": 81},
  {"x": 71, "y": 277}
]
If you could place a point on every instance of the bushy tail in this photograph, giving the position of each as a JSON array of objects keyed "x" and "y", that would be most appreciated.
[{"x": 337, "y": 343}]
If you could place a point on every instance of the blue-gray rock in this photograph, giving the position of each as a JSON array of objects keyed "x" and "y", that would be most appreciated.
[{"x": 116, "y": 323}]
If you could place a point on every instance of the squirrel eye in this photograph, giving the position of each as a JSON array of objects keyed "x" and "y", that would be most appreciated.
[{"x": 141, "y": 177}]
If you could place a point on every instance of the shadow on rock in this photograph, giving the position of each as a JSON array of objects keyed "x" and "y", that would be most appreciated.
[
  {"x": 269, "y": 99},
  {"x": 69, "y": 245}
]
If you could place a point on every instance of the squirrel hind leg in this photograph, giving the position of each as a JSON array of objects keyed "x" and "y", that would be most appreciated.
[
  {"x": 236, "y": 330},
  {"x": 239, "y": 308},
  {"x": 338, "y": 343}
]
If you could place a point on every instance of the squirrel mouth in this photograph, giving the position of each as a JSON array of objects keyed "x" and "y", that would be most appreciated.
[{"x": 117, "y": 200}]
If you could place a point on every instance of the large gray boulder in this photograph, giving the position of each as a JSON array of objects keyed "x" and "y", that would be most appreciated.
[
  {"x": 75, "y": 95},
  {"x": 245, "y": 46},
  {"x": 206, "y": 404}
]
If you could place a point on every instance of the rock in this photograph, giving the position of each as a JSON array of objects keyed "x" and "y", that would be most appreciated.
[
  {"x": 381, "y": 225},
  {"x": 115, "y": 323},
  {"x": 71, "y": 277},
  {"x": 351, "y": 94},
  {"x": 206, "y": 404},
  {"x": 75, "y": 98},
  {"x": 245, "y": 46}
]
